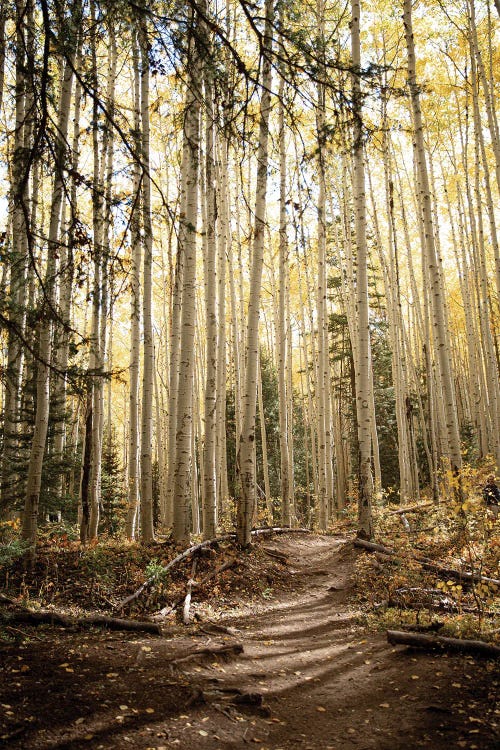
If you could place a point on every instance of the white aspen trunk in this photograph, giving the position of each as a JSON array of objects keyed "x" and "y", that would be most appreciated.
[
  {"x": 146, "y": 451},
  {"x": 209, "y": 496},
  {"x": 67, "y": 264},
  {"x": 95, "y": 359},
  {"x": 488, "y": 87},
  {"x": 363, "y": 382},
  {"x": 263, "y": 438},
  {"x": 440, "y": 333},
  {"x": 246, "y": 447},
  {"x": 187, "y": 238},
  {"x": 322, "y": 384},
  {"x": 224, "y": 246},
  {"x": 282, "y": 329},
  {"x": 133, "y": 473},
  {"x": 310, "y": 405}
]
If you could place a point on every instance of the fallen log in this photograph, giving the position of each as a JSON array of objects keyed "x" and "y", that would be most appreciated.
[
  {"x": 410, "y": 509},
  {"x": 457, "y": 575},
  {"x": 48, "y": 617},
  {"x": 8, "y": 600},
  {"x": 372, "y": 547},
  {"x": 191, "y": 550},
  {"x": 432, "y": 642},
  {"x": 183, "y": 556},
  {"x": 427, "y": 564}
]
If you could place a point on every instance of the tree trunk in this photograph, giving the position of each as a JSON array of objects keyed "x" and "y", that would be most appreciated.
[
  {"x": 146, "y": 451},
  {"x": 363, "y": 364},
  {"x": 187, "y": 240},
  {"x": 246, "y": 446}
]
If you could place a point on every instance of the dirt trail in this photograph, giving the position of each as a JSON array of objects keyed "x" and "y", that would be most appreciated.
[{"x": 308, "y": 677}]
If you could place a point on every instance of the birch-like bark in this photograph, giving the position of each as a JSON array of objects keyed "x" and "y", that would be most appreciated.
[
  {"x": 146, "y": 451},
  {"x": 223, "y": 248},
  {"x": 363, "y": 364},
  {"x": 246, "y": 446},
  {"x": 209, "y": 496},
  {"x": 135, "y": 310},
  {"x": 281, "y": 331},
  {"x": 67, "y": 271},
  {"x": 440, "y": 334},
  {"x": 183, "y": 468},
  {"x": 325, "y": 488}
]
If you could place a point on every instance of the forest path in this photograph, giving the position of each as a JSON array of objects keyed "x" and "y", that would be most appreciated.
[{"x": 308, "y": 677}]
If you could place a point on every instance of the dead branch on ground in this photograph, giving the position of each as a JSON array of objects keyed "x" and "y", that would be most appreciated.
[{"x": 419, "y": 640}]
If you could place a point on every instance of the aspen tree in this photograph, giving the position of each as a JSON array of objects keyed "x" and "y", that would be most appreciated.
[
  {"x": 363, "y": 393},
  {"x": 224, "y": 247},
  {"x": 135, "y": 306},
  {"x": 67, "y": 274},
  {"x": 210, "y": 244},
  {"x": 246, "y": 443},
  {"x": 281, "y": 329},
  {"x": 440, "y": 334},
  {"x": 323, "y": 380},
  {"x": 146, "y": 450},
  {"x": 263, "y": 440},
  {"x": 183, "y": 467}
]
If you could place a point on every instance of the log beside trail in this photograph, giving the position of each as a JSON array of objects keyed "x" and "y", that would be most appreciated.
[
  {"x": 410, "y": 509},
  {"x": 458, "y": 575},
  {"x": 48, "y": 617},
  {"x": 195, "y": 548},
  {"x": 432, "y": 642}
]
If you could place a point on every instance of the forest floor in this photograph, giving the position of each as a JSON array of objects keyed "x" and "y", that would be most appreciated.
[{"x": 300, "y": 671}]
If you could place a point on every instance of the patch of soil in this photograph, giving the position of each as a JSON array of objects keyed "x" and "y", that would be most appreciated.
[{"x": 308, "y": 675}]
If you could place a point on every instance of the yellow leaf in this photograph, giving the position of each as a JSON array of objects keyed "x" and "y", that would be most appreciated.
[{"x": 150, "y": 710}]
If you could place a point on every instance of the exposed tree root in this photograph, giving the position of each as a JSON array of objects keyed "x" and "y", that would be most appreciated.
[{"x": 226, "y": 651}]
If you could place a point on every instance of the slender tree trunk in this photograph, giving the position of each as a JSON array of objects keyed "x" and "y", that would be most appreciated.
[
  {"x": 363, "y": 364},
  {"x": 440, "y": 333},
  {"x": 147, "y": 531},
  {"x": 211, "y": 381},
  {"x": 187, "y": 238},
  {"x": 281, "y": 329},
  {"x": 135, "y": 311},
  {"x": 246, "y": 447}
]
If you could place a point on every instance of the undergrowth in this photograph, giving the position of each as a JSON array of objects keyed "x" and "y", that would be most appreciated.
[{"x": 459, "y": 533}]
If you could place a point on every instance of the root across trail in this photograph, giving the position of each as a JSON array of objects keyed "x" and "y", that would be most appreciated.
[{"x": 293, "y": 668}]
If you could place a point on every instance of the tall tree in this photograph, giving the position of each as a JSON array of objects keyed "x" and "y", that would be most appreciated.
[
  {"x": 246, "y": 444},
  {"x": 363, "y": 359}
]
